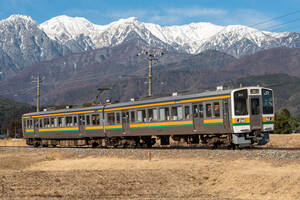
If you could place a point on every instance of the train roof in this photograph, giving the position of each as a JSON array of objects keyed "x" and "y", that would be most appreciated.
[{"x": 136, "y": 102}]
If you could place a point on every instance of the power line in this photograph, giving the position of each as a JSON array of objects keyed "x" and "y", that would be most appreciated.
[
  {"x": 279, "y": 17},
  {"x": 272, "y": 28}
]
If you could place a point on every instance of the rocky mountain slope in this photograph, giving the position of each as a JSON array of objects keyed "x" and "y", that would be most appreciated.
[{"x": 23, "y": 42}]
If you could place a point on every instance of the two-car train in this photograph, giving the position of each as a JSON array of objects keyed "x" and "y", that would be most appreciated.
[{"x": 234, "y": 117}]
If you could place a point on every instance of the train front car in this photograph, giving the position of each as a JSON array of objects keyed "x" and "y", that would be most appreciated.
[{"x": 252, "y": 115}]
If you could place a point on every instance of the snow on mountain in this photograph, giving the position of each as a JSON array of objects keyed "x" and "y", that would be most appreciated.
[
  {"x": 23, "y": 44},
  {"x": 192, "y": 38}
]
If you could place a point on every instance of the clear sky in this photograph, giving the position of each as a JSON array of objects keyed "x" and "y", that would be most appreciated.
[{"x": 165, "y": 12}]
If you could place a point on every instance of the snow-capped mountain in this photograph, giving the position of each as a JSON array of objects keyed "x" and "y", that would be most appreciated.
[
  {"x": 23, "y": 42},
  {"x": 193, "y": 38}
]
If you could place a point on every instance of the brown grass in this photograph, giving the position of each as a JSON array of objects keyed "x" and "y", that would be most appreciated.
[
  {"x": 284, "y": 141},
  {"x": 60, "y": 174},
  {"x": 12, "y": 142}
]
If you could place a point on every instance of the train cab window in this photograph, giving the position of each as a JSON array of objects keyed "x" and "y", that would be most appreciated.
[
  {"x": 75, "y": 120},
  {"x": 96, "y": 119},
  {"x": 267, "y": 101},
  {"x": 208, "y": 110},
  {"x": 201, "y": 111},
  {"x": 141, "y": 116},
  {"x": 187, "y": 112},
  {"x": 132, "y": 116},
  {"x": 216, "y": 107},
  {"x": 111, "y": 118},
  {"x": 118, "y": 118},
  {"x": 176, "y": 113},
  {"x": 240, "y": 102},
  {"x": 255, "y": 108},
  {"x": 69, "y": 121},
  {"x": 46, "y": 122}
]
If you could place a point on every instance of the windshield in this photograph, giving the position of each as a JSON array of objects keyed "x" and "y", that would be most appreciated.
[
  {"x": 240, "y": 102},
  {"x": 267, "y": 98}
]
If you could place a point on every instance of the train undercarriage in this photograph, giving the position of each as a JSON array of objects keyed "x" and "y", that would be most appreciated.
[{"x": 211, "y": 140}]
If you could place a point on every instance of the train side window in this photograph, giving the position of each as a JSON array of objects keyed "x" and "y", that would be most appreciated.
[
  {"x": 111, "y": 118},
  {"x": 201, "y": 111},
  {"x": 176, "y": 113},
  {"x": 141, "y": 116},
  {"x": 118, "y": 118},
  {"x": 208, "y": 110},
  {"x": 81, "y": 120},
  {"x": 167, "y": 113},
  {"x": 41, "y": 123},
  {"x": 59, "y": 122},
  {"x": 69, "y": 121},
  {"x": 187, "y": 112},
  {"x": 155, "y": 114},
  {"x": 162, "y": 114},
  {"x": 88, "y": 120},
  {"x": 216, "y": 109},
  {"x": 51, "y": 122},
  {"x": 46, "y": 122},
  {"x": 195, "y": 110},
  {"x": 150, "y": 115},
  {"x": 132, "y": 116},
  {"x": 75, "y": 120},
  {"x": 95, "y": 119}
]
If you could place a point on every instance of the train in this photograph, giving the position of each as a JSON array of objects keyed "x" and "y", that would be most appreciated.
[{"x": 238, "y": 117}]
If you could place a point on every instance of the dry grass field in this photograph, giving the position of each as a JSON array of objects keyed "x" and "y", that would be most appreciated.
[{"x": 72, "y": 173}]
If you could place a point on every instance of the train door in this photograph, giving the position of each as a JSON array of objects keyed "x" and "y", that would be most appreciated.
[
  {"x": 255, "y": 112},
  {"x": 81, "y": 124},
  {"x": 226, "y": 115},
  {"x": 125, "y": 122},
  {"x": 198, "y": 116},
  {"x": 36, "y": 126}
]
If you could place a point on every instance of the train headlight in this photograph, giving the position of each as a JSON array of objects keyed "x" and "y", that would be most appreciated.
[{"x": 240, "y": 120}]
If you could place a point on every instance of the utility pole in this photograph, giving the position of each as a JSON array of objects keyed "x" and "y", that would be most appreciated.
[
  {"x": 150, "y": 56},
  {"x": 38, "y": 81}
]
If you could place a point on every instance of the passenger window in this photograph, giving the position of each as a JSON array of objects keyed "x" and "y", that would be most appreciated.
[
  {"x": 176, "y": 113},
  {"x": 81, "y": 120},
  {"x": 69, "y": 121},
  {"x": 150, "y": 115},
  {"x": 59, "y": 122},
  {"x": 46, "y": 122},
  {"x": 111, "y": 118},
  {"x": 41, "y": 123},
  {"x": 132, "y": 115},
  {"x": 167, "y": 113},
  {"x": 141, "y": 115},
  {"x": 88, "y": 121},
  {"x": 155, "y": 114},
  {"x": 52, "y": 122},
  {"x": 216, "y": 109},
  {"x": 195, "y": 110},
  {"x": 75, "y": 120},
  {"x": 208, "y": 110},
  {"x": 162, "y": 114},
  {"x": 187, "y": 112},
  {"x": 118, "y": 118},
  {"x": 201, "y": 113},
  {"x": 95, "y": 119}
]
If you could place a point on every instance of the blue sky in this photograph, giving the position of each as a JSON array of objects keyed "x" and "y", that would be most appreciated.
[{"x": 165, "y": 12}]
